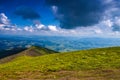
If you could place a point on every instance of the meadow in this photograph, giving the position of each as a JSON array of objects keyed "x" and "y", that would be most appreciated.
[{"x": 92, "y": 64}]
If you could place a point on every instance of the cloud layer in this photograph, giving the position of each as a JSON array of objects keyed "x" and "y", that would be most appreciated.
[
  {"x": 74, "y": 13},
  {"x": 83, "y": 13},
  {"x": 102, "y": 29}
]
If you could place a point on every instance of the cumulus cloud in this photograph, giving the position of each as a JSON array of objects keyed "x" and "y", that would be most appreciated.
[
  {"x": 27, "y": 13},
  {"x": 52, "y": 28},
  {"x": 5, "y": 24},
  {"x": 3, "y": 19},
  {"x": 40, "y": 27},
  {"x": 27, "y": 28}
]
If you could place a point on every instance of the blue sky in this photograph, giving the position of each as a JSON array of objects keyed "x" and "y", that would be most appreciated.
[
  {"x": 60, "y": 17},
  {"x": 9, "y": 7}
]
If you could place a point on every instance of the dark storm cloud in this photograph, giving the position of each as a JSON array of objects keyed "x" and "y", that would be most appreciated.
[
  {"x": 27, "y": 13},
  {"x": 73, "y": 13}
]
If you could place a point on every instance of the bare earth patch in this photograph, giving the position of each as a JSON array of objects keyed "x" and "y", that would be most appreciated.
[{"x": 63, "y": 75}]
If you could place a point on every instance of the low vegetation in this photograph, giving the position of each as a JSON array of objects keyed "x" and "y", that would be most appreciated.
[{"x": 93, "y": 64}]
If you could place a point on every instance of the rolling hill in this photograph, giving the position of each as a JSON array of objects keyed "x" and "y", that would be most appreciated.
[
  {"x": 32, "y": 51},
  {"x": 92, "y": 64}
]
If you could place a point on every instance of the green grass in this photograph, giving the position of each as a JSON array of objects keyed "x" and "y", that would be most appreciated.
[{"x": 106, "y": 61}]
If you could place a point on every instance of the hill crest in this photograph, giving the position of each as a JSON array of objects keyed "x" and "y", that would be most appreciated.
[{"x": 32, "y": 51}]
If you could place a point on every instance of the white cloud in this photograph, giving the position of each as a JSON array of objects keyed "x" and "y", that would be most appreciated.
[
  {"x": 3, "y": 19},
  {"x": 5, "y": 24},
  {"x": 108, "y": 23},
  {"x": 1, "y": 25},
  {"x": 52, "y": 28},
  {"x": 98, "y": 31},
  {"x": 39, "y": 26},
  {"x": 19, "y": 29},
  {"x": 29, "y": 29}
]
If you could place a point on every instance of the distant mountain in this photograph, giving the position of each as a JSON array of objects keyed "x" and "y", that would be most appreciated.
[{"x": 32, "y": 51}]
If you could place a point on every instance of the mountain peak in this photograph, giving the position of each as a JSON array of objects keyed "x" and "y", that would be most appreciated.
[{"x": 37, "y": 51}]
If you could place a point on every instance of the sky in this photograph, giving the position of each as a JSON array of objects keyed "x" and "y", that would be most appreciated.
[{"x": 60, "y": 17}]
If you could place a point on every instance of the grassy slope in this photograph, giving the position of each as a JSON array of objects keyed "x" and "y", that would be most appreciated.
[
  {"x": 94, "y": 64},
  {"x": 32, "y": 51}
]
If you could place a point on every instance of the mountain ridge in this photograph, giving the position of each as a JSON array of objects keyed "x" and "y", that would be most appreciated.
[{"x": 31, "y": 51}]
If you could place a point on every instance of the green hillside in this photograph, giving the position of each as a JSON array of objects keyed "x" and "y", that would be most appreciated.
[
  {"x": 93, "y": 64},
  {"x": 32, "y": 51}
]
